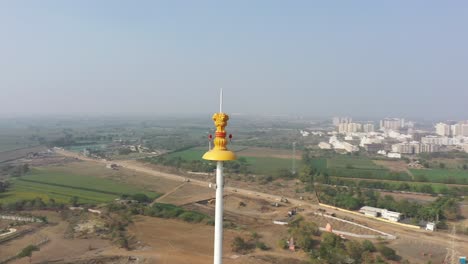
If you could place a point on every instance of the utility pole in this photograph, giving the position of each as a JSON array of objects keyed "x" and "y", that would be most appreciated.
[{"x": 293, "y": 170}]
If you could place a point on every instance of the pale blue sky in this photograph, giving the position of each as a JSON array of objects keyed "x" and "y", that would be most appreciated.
[{"x": 360, "y": 58}]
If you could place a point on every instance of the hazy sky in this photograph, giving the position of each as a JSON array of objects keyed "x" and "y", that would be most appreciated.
[{"x": 362, "y": 58}]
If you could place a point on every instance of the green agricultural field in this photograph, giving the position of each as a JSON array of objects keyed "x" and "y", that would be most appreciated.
[
  {"x": 441, "y": 175},
  {"x": 189, "y": 154},
  {"x": 62, "y": 186},
  {"x": 320, "y": 164},
  {"x": 356, "y": 167},
  {"x": 268, "y": 165},
  {"x": 353, "y": 162},
  {"x": 258, "y": 165}
]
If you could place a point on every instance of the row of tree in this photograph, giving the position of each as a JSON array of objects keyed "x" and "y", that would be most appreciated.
[
  {"x": 444, "y": 208},
  {"x": 32, "y": 204},
  {"x": 239, "y": 166},
  {"x": 14, "y": 170}
]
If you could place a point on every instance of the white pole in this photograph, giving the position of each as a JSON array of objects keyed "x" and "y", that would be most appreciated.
[
  {"x": 218, "y": 241},
  {"x": 221, "y": 101}
]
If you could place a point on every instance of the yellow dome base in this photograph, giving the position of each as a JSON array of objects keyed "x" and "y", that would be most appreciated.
[{"x": 219, "y": 155}]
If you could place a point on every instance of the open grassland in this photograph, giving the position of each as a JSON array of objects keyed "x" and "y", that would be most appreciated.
[
  {"x": 441, "y": 175},
  {"x": 61, "y": 186}
]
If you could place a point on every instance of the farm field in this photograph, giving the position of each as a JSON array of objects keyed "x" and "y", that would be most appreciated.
[
  {"x": 12, "y": 141},
  {"x": 18, "y": 153},
  {"x": 61, "y": 186},
  {"x": 365, "y": 168},
  {"x": 267, "y": 152},
  {"x": 442, "y": 175},
  {"x": 357, "y": 167},
  {"x": 188, "y": 154},
  {"x": 258, "y": 164},
  {"x": 353, "y": 162},
  {"x": 423, "y": 187},
  {"x": 144, "y": 181}
]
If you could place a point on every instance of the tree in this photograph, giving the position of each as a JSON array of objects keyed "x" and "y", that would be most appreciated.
[
  {"x": 141, "y": 197},
  {"x": 388, "y": 253},
  {"x": 368, "y": 246},
  {"x": 239, "y": 245},
  {"x": 74, "y": 201},
  {"x": 282, "y": 243},
  {"x": 332, "y": 248},
  {"x": 123, "y": 241},
  {"x": 354, "y": 249},
  {"x": 303, "y": 234},
  {"x": 27, "y": 252}
]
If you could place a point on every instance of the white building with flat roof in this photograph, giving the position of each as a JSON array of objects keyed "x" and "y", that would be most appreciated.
[{"x": 379, "y": 212}]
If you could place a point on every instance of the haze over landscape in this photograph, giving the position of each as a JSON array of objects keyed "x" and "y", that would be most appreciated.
[
  {"x": 342, "y": 137},
  {"x": 366, "y": 58}
]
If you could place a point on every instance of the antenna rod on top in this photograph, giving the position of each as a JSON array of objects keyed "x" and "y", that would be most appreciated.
[{"x": 221, "y": 101}]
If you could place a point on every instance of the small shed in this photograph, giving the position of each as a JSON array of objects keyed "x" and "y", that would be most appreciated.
[
  {"x": 430, "y": 226},
  {"x": 371, "y": 211}
]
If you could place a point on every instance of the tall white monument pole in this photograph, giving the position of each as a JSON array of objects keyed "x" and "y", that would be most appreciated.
[
  {"x": 219, "y": 153},
  {"x": 218, "y": 242}
]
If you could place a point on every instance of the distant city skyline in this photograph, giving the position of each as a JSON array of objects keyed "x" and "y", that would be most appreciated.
[{"x": 361, "y": 59}]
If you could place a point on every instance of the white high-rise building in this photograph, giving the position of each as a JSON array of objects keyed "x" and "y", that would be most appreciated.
[
  {"x": 442, "y": 129},
  {"x": 368, "y": 128},
  {"x": 339, "y": 120},
  {"x": 464, "y": 130},
  {"x": 460, "y": 129},
  {"x": 392, "y": 123},
  {"x": 414, "y": 147},
  {"x": 344, "y": 128}
]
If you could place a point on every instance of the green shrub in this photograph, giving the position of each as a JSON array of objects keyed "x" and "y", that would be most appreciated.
[
  {"x": 239, "y": 245},
  {"x": 368, "y": 246},
  {"x": 388, "y": 253},
  {"x": 192, "y": 217},
  {"x": 261, "y": 246}
]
